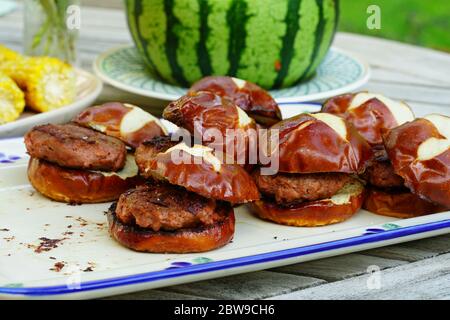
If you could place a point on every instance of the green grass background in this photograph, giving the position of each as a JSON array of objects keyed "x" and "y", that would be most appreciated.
[{"x": 419, "y": 22}]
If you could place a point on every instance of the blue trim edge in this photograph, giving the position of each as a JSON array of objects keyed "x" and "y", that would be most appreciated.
[{"x": 230, "y": 263}]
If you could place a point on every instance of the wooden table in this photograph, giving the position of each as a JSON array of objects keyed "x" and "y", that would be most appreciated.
[{"x": 414, "y": 270}]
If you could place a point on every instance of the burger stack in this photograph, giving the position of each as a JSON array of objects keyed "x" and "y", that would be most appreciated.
[
  {"x": 177, "y": 194},
  {"x": 90, "y": 159},
  {"x": 401, "y": 178}
]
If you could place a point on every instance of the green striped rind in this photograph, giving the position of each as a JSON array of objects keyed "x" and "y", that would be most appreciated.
[
  {"x": 187, "y": 31},
  {"x": 133, "y": 17},
  {"x": 218, "y": 36},
  {"x": 152, "y": 24},
  {"x": 275, "y": 45},
  {"x": 265, "y": 30},
  {"x": 174, "y": 42},
  {"x": 326, "y": 33},
  {"x": 287, "y": 50},
  {"x": 236, "y": 20},
  {"x": 304, "y": 42},
  {"x": 204, "y": 61}
]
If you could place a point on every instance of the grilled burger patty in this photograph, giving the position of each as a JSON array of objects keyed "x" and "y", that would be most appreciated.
[
  {"x": 75, "y": 147},
  {"x": 381, "y": 174},
  {"x": 148, "y": 150},
  {"x": 288, "y": 188},
  {"x": 160, "y": 206}
]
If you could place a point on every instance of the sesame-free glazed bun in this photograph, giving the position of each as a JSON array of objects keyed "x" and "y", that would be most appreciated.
[
  {"x": 199, "y": 111},
  {"x": 199, "y": 239},
  {"x": 420, "y": 153},
  {"x": 320, "y": 142},
  {"x": 197, "y": 169},
  {"x": 338, "y": 208},
  {"x": 81, "y": 186},
  {"x": 403, "y": 204},
  {"x": 129, "y": 123},
  {"x": 371, "y": 114},
  {"x": 214, "y": 119},
  {"x": 251, "y": 98}
]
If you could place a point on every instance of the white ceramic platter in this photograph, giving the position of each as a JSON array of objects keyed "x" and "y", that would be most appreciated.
[
  {"x": 88, "y": 89},
  {"x": 54, "y": 250}
]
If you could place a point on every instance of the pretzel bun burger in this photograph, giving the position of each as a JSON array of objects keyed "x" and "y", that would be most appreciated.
[
  {"x": 420, "y": 154},
  {"x": 76, "y": 163},
  {"x": 319, "y": 156},
  {"x": 373, "y": 115},
  {"x": 251, "y": 98},
  {"x": 216, "y": 120},
  {"x": 124, "y": 121},
  {"x": 186, "y": 205},
  {"x": 73, "y": 164}
]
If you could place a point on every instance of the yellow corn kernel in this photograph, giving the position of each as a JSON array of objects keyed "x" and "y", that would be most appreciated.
[
  {"x": 48, "y": 83},
  {"x": 8, "y": 55},
  {"x": 12, "y": 100}
]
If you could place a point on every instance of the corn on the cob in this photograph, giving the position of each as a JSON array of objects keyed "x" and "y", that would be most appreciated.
[
  {"x": 8, "y": 55},
  {"x": 12, "y": 100},
  {"x": 48, "y": 83}
]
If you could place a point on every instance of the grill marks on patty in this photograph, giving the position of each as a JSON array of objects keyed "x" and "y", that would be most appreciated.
[
  {"x": 161, "y": 206},
  {"x": 148, "y": 150},
  {"x": 75, "y": 147},
  {"x": 289, "y": 188}
]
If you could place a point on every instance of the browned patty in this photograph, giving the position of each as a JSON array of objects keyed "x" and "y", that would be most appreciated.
[
  {"x": 72, "y": 146},
  {"x": 160, "y": 206},
  {"x": 381, "y": 174},
  {"x": 288, "y": 188},
  {"x": 149, "y": 149}
]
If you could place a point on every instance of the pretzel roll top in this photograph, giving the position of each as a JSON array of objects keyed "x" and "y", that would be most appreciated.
[
  {"x": 129, "y": 123},
  {"x": 371, "y": 114},
  {"x": 197, "y": 169},
  {"x": 320, "y": 142},
  {"x": 420, "y": 153},
  {"x": 246, "y": 95}
]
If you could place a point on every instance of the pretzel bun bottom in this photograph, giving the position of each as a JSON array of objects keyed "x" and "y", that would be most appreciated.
[
  {"x": 76, "y": 186},
  {"x": 399, "y": 205},
  {"x": 190, "y": 240},
  {"x": 311, "y": 213}
]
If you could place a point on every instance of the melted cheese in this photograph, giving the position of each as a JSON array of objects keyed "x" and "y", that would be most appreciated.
[
  {"x": 129, "y": 170},
  {"x": 334, "y": 122},
  {"x": 137, "y": 118},
  {"x": 197, "y": 150},
  {"x": 433, "y": 147},
  {"x": 344, "y": 195},
  {"x": 239, "y": 82},
  {"x": 400, "y": 110}
]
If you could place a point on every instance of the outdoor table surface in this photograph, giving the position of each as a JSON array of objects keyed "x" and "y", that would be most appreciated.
[{"x": 413, "y": 270}]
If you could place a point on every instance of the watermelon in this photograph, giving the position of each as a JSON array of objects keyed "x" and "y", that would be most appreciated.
[{"x": 273, "y": 43}]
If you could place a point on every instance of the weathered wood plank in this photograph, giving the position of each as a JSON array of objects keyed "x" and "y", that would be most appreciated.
[
  {"x": 398, "y": 57},
  {"x": 415, "y": 250},
  {"x": 439, "y": 245},
  {"x": 426, "y": 279},
  {"x": 256, "y": 285},
  {"x": 154, "y": 295},
  {"x": 340, "y": 267},
  {"x": 400, "y": 252},
  {"x": 408, "y": 92}
]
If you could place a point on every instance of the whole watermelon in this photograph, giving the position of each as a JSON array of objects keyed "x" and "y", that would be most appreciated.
[{"x": 274, "y": 43}]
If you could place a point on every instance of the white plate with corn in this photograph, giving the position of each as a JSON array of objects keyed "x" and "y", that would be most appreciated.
[{"x": 39, "y": 90}]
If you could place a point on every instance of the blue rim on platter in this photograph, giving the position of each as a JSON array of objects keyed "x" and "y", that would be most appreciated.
[
  {"x": 374, "y": 236},
  {"x": 339, "y": 73}
]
